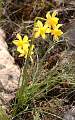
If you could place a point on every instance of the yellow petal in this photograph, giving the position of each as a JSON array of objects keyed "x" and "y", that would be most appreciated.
[
  {"x": 20, "y": 50},
  {"x": 19, "y": 36},
  {"x": 48, "y": 30},
  {"x": 39, "y": 24},
  {"x": 52, "y": 32},
  {"x": 56, "y": 37},
  {"x": 18, "y": 42},
  {"x": 59, "y": 25},
  {"x": 37, "y": 34},
  {"x": 25, "y": 39},
  {"x": 35, "y": 29},
  {"x": 21, "y": 55},
  {"x": 54, "y": 14},
  {"x": 46, "y": 25},
  {"x": 43, "y": 36},
  {"x": 15, "y": 42},
  {"x": 59, "y": 33},
  {"x": 54, "y": 21},
  {"x": 25, "y": 49},
  {"x": 48, "y": 15},
  {"x": 25, "y": 56}
]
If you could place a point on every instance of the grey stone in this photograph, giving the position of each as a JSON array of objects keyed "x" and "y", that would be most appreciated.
[
  {"x": 70, "y": 35},
  {"x": 70, "y": 115},
  {"x": 9, "y": 72}
]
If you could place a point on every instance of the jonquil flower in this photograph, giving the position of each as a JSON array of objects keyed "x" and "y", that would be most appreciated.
[
  {"x": 56, "y": 32},
  {"x": 23, "y": 50},
  {"x": 40, "y": 30},
  {"x": 20, "y": 42},
  {"x": 26, "y": 51},
  {"x": 24, "y": 47},
  {"x": 51, "y": 21}
]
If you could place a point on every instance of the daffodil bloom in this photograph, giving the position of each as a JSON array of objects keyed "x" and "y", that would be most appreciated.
[
  {"x": 20, "y": 42},
  {"x": 23, "y": 50},
  {"x": 24, "y": 47},
  {"x": 26, "y": 51},
  {"x": 40, "y": 30},
  {"x": 51, "y": 21},
  {"x": 56, "y": 32}
]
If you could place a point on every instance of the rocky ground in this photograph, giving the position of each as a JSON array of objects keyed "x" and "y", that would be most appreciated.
[
  {"x": 9, "y": 73},
  {"x": 59, "y": 103}
]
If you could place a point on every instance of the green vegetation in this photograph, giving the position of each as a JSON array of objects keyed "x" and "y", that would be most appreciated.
[{"x": 3, "y": 115}]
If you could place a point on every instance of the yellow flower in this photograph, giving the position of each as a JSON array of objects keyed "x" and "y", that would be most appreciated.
[
  {"x": 51, "y": 21},
  {"x": 56, "y": 32},
  {"x": 23, "y": 50},
  {"x": 20, "y": 42},
  {"x": 24, "y": 47},
  {"x": 26, "y": 51},
  {"x": 41, "y": 30}
]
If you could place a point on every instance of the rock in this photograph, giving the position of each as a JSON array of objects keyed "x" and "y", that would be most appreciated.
[
  {"x": 9, "y": 72},
  {"x": 70, "y": 115},
  {"x": 72, "y": 2},
  {"x": 69, "y": 63},
  {"x": 70, "y": 35}
]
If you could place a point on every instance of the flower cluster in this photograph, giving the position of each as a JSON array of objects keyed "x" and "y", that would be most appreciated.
[
  {"x": 51, "y": 26},
  {"x": 23, "y": 46}
]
